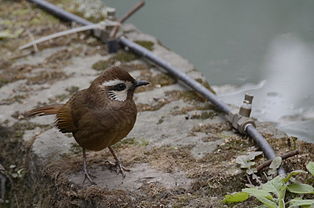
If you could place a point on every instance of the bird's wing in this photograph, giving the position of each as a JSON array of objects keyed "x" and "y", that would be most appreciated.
[
  {"x": 71, "y": 112},
  {"x": 64, "y": 120}
]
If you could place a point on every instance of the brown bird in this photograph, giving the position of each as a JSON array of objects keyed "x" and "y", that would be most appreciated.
[{"x": 99, "y": 116}]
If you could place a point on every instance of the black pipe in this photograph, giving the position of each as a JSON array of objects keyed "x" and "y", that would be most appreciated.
[
  {"x": 250, "y": 129},
  {"x": 57, "y": 11},
  {"x": 175, "y": 72},
  {"x": 263, "y": 144}
]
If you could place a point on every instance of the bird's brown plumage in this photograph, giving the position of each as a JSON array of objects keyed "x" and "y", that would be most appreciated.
[
  {"x": 100, "y": 115},
  {"x": 95, "y": 121}
]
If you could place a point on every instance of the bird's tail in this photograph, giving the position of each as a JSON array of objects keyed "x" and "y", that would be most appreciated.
[{"x": 42, "y": 111}]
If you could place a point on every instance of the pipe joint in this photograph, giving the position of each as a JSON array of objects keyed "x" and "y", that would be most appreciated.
[{"x": 240, "y": 122}]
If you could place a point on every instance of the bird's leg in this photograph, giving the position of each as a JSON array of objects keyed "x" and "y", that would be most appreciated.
[
  {"x": 86, "y": 174},
  {"x": 118, "y": 164}
]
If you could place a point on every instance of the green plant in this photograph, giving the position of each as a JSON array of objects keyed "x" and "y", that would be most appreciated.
[{"x": 273, "y": 193}]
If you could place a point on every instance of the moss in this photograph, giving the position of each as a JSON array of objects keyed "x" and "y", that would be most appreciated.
[
  {"x": 75, "y": 149},
  {"x": 212, "y": 128},
  {"x": 24, "y": 15},
  {"x": 60, "y": 98},
  {"x": 16, "y": 98},
  {"x": 205, "y": 84},
  {"x": 62, "y": 57},
  {"x": 72, "y": 89},
  {"x": 20, "y": 12},
  {"x": 183, "y": 200},
  {"x": 12, "y": 152},
  {"x": 221, "y": 184},
  {"x": 121, "y": 56},
  {"x": 92, "y": 12},
  {"x": 188, "y": 96},
  {"x": 3, "y": 81},
  {"x": 46, "y": 76},
  {"x": 204, "y": 115},
  {"x": 159, "y": 80},
  {"x": 164, "y": 157},
  {"x": 20, "y": 127},
  {"x": 162, "y": 80},
  {"x": 149, "y": 45},
  {"x": 101, "y": 65},
  {"x": 161, "y": 120},
  {"x": 187, "y": 109},
  {"x": 42, "y": 18},
  {"x": 19, "y": 98},
  {"x": 146, "y": 107},
  {"x": 132, "y": 142}
]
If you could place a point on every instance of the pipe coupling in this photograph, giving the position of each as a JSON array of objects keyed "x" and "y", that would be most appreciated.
[{"x": 240, "y": 122}]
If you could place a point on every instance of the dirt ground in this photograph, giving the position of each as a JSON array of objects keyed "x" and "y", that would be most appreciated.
[{"x": 181, "y": 151}]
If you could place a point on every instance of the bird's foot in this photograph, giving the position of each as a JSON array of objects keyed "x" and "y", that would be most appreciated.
[
  {"x": 88, "y": 177},
  {"x": 118, "y": 167}
]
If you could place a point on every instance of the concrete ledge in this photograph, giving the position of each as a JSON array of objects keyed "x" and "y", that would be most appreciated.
[{"x": 181, "y": 151}]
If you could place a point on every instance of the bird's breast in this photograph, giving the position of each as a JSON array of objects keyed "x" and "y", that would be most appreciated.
[{"x": 104, "y": 130}]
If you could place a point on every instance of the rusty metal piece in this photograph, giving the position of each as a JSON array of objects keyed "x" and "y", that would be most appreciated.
[
  {"x": 125, "y": 17},
  {"x": 284, "y": 156}
]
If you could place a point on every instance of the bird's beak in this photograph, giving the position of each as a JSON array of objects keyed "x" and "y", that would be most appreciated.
[{"x": 140, "y": 83}]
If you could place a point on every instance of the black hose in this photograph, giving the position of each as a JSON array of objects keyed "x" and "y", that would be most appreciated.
[
  {"x": 176, "y": 73},
  {"x": 250, "y": 129},
  {"x": 64, "y": 15},
  {"x": 263, "y": 144}
]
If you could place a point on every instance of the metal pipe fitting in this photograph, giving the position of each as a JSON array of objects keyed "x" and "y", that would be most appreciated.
[
  {"x": 239, "y": 122},
  {"x": 246, "y": 107}
]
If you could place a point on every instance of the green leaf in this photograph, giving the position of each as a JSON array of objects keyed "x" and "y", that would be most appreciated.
[
  {"x": 263, "y": 196},
  {"x": 267, "y": 202},
  {"x": 256, "y": 191},
  {"x": 301, "y": 202},
  {"x": 299, "y": 188},
  {"x": 275, "y": 164},
  {"x": 276, "y": 186},
  {"x": 310, "y": 167},
  {"x": 291, "y": 174},
  {"x": 236, "y": 197},
  {"x": 245, "y": 161},
  {"x": 6, "y": 34}
]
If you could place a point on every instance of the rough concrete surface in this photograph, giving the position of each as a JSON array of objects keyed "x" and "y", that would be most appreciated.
[{"x": 181, "y": 151}]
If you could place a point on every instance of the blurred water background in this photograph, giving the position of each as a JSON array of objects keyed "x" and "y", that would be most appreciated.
[{"x": 265, "y": 48}]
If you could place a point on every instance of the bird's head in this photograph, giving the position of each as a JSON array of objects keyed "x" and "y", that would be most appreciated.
[{"x": 118, "y": 84}]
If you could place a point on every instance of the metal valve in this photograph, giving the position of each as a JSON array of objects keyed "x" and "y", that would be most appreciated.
[
  {"x": 241, "y": 120},
  {"x": 246, "y": 108}
]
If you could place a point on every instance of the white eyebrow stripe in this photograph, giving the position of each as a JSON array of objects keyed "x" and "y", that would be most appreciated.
[{"x": 112, "y": 82}]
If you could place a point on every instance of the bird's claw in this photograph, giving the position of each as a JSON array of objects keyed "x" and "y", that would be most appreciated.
[
  {"x": 119, "y": 167},
  {"x": 88, "y": 177}
]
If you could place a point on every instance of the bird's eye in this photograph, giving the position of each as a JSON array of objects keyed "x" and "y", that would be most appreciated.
[{"x": 119, "y": 87}]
